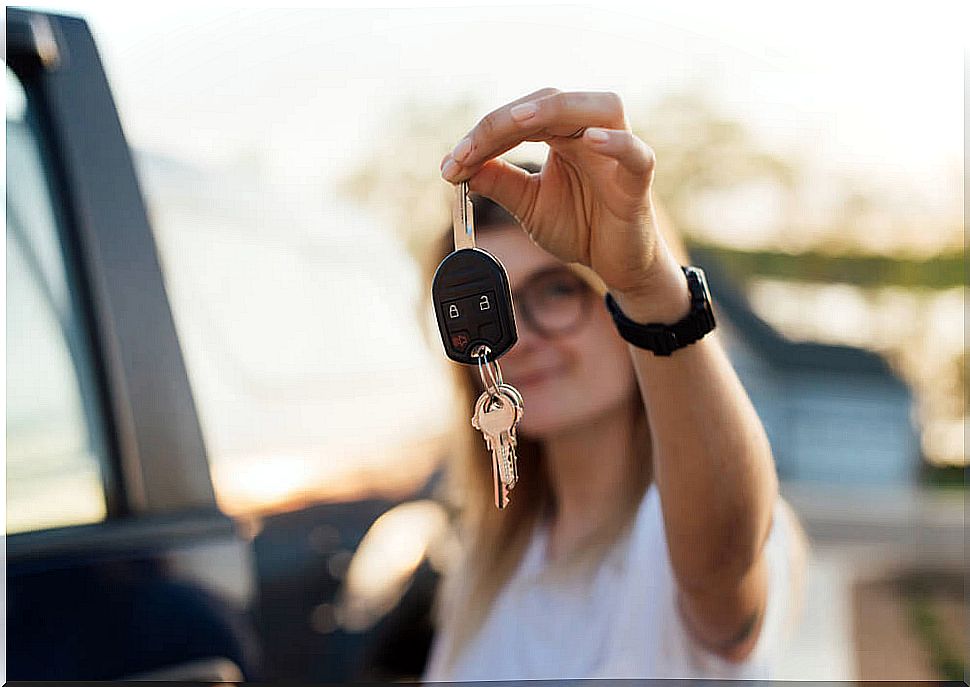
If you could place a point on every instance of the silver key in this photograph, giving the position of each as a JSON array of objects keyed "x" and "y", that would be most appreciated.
[
  {"x": 513, "y": 393},
  {"x": 496, "y": 416},
  {"x": 498, "y": 425}
]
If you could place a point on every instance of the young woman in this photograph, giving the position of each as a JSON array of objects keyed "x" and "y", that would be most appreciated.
[{"x": 645, "y": 537}]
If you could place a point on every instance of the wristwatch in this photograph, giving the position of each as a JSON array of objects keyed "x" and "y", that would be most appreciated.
[{"x": 664, "y": 339}]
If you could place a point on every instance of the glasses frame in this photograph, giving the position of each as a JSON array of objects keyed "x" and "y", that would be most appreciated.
[{"x": 524, "y": 312}]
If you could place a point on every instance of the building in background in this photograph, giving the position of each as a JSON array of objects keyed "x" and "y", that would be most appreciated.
[{"x": 834, "y": 414}]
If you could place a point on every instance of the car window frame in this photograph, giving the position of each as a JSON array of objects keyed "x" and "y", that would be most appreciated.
[{"x": 155, "y": 462}]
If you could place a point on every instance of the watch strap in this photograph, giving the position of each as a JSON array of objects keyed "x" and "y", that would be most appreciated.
[{"x": 664, "y": 339}]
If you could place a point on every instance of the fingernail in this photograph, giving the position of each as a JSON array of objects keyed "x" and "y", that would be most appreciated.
[
  {"x": 449, "y": 170},
  {"x": 444, "y": 161},
  {"x": 462, "y": 149},
  {"x": 522, "y": 112},
  {"x": 597, "y": 135}
]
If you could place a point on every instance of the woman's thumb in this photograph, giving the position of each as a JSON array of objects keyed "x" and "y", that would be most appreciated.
[{"x": 508, "y": 185}]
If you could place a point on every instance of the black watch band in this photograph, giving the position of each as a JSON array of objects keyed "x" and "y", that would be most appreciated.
[{"x": 664, "y": 339}]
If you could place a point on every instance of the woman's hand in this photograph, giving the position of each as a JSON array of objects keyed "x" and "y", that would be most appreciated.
[{"x": 591, "y": 203}]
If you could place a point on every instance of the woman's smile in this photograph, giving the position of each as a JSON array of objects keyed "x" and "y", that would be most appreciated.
[{"x": 537, "y": 377}]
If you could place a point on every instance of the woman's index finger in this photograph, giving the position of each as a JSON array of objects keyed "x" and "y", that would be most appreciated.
[{"x": 537, "y": 118}]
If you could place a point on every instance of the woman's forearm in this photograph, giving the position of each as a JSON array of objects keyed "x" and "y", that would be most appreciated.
[{"x": 712, "y": 464}]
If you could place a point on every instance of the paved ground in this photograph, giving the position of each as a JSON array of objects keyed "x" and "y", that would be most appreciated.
[
  {"x": 886, "y": 646},
  {"x": 853, "y": 624}
]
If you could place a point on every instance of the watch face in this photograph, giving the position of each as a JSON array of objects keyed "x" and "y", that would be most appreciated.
[
  {"x": 699, "y": 287},
  {"x": 708, "y": 307},
  {"x": 703, "y": 280}
]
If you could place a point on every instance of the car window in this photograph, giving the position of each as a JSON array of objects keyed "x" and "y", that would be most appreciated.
[
  {"x": 55, "y": 438},
  {"x": 312, "y": 375}
]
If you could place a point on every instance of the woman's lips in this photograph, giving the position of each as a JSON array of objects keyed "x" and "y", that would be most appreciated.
[{"x": 535, "y": 377}]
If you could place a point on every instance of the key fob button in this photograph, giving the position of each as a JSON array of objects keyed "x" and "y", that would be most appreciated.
[
  {"x": 460, "y": 340},
  {"x": 488, "y": 331}
]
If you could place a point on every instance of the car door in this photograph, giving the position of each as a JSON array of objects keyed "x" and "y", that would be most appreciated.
[{"x": 119, "y": 562}]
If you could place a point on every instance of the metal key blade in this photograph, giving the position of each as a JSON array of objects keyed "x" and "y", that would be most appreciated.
[
  {"x": 501, "y": 495},
  {"x": 513, "y": 394},
  {"x": 501, "y": 488},
  {"x": 510, "y": 473},
  {"x": 463, "y": 218},
  {"x": 498, "y": 482}
]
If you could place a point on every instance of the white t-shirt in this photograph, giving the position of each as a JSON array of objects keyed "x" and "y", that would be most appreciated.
[{"x": 621, "y": 623}]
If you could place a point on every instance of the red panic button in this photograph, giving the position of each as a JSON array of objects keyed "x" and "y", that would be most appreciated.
[{"x": 460, "y": 340}]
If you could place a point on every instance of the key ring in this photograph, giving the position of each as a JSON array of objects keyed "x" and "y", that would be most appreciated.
[{"x": 480, "y": 354}]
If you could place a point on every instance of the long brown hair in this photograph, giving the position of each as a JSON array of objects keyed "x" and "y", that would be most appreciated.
[{"x": 492, "y": 542}]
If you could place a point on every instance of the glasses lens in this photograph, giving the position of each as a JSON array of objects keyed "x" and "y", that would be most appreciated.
[{"x": 555, "y": 301}]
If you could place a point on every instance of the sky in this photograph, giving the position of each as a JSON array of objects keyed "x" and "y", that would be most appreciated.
[{"x": 311, "y": 89}]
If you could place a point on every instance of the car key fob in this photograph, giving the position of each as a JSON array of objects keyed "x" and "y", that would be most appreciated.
[
  {"x": 471, "y": 295},
  {"x": 473, "y": 305}
]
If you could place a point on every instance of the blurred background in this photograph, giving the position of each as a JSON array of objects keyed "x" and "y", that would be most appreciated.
[{"x": 812, "y": 158}]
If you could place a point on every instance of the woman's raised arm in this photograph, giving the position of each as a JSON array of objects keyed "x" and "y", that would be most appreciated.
[{"x": 713, "y": 466}]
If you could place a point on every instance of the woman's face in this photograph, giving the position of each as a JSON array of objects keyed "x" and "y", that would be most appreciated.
[{"x": 583, "y": 369}]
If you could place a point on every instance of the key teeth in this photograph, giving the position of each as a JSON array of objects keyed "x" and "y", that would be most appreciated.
[
  {"x": 507, "y": 471},
  {"x": 506, "y": 497}
]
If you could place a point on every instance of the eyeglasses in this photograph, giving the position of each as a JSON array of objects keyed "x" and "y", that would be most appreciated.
[{"x": 553, "y": 302}]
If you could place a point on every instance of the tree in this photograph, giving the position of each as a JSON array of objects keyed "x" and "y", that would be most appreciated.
[{"x": 700, "y": 149}]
